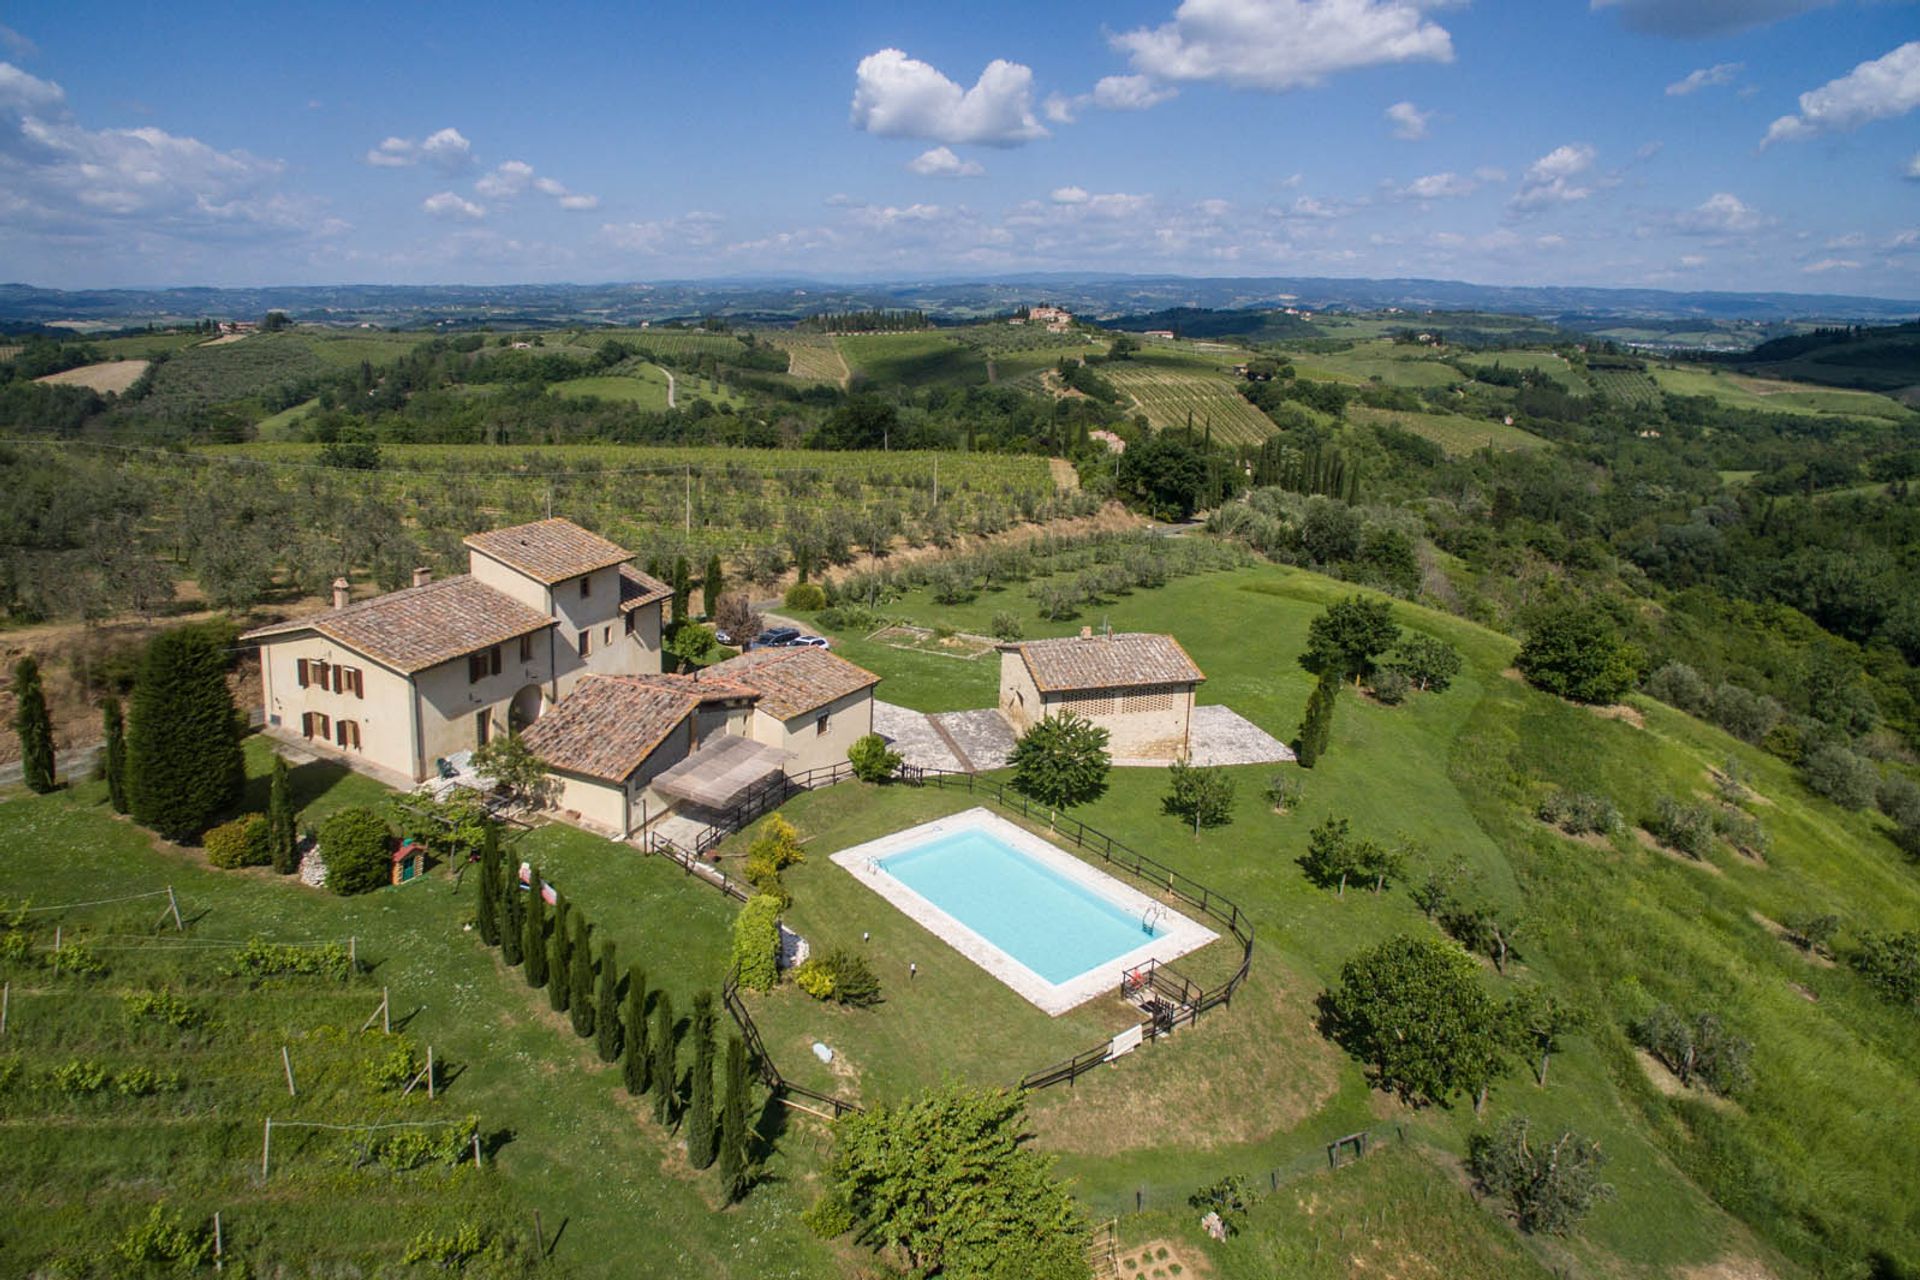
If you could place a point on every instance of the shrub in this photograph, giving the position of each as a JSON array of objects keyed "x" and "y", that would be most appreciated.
[
  {"x": 1811, "y": 931},
  {"x": 1062, "y": 761},
  {"x": 872, "y": 759},
  {"x": 240, "y": 843},
  {"x": 164, "y": 1007},
  {"x": 1745, "y": 715},
  {"x": 163, "y": 1239},
  {"x": 1576, "y": 652},
  {"x": 854, "y": 981},
  {"x": 1899, "y": 798},
  {"x": 263, "y": 959},
  {"x": 1389, "y": 688},
  {"x": 1578, "y": 813},
  {"x": 756, "y": 943},
  {"x": 1550, "y": 1189},
  {"x": 1679, "y": 685},
  {"x": 1699, "y": 1046},
  {"x": 1743, "y": 831},
  {"x": 394, "y": 1069},
  {"x": 354, "y": 844},
  {"x": 1840, "y": 776},
  {"x": 1891, "y": 963},
  {"x": 79, "y": 1077},
  {"x": 807, "y": 596},
  {"x": 1229, "y": 1198},
  {"x": 1687, "y": 828},
  {"x": 1203, "y": 797},
  {"x": 814, "y": 978},
  {"x": 851, "y": 617},
  {"x": 1006, "y": 626},
  {"x": 1284, "y": 792},
  {"x": 143, "y": 1081}
]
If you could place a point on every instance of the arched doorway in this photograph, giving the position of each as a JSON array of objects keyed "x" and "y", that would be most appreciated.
[{"x": 525, "y": 708}]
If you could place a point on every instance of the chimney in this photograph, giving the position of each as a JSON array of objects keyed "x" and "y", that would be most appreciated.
[
  {"x": 1086, "y": 633},
  {"x": 339, "y": 593},
  {"x": 422, "y": 575}
]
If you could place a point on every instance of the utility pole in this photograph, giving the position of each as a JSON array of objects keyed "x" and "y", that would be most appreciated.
[{"x": 689, "y": 499}]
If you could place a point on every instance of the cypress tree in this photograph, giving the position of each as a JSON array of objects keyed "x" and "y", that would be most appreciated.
[
  {"x": 733, "y": 1121},
  {"x": 1317, "y": 727},
  {"x": 580, "y": 978},
  {"x": 281, "y": 842},
  {"x": 682, "y": 588},
  {"x": 34, "y": 726},
  {"x": 700, "y": 1104},
  {"x": 608, "y": 1004},
  {"x": 114, "y": 756},
  {"x": 560, "y": 956},
  {"x": 513, "y": 929},
  {"x": 711, "y": 584},
  {"x": 487, "y": 913},
  {"x": 184, "y": 763},
  {"x": 535, "y": 946},
  {"x": 664, "y": 1066},
  {"x": 637, "y": 1067},
  {"x": 558, "y": 991}
]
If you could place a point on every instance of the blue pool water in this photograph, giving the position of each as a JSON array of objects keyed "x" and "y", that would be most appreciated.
[{"x": 1052, "y": 925}]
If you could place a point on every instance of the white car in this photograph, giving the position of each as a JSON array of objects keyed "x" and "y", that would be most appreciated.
[{"x": 817, "y": 642}]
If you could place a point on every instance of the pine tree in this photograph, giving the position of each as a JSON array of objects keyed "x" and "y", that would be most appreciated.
[
  {"x": 700, "y": 1134},
  {"x": 711, "y": 584},
  {"x": 535, "y": 946},
  {"x": 665, "y": 1068},
  {"x": 487, "y": 914},
  {"x": 184, "y": 763},
  {"x": 580, "y": 978},
  {"x": 33, "y": 725},
  {"x": 513, "y": 929},
  {"x": 637, "y": 1068},
  {"x": 734, "y": 1168},
  {"x": 114, "y": 755},
  {"x": 608, "y": 1004},
  {"x": 281, "y": 844}
]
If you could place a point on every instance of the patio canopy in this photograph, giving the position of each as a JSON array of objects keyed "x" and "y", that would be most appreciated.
[{"x": 718, "y": 774}]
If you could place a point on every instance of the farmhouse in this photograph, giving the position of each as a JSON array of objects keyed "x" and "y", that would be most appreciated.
[
  {"x": 404, "y": 679},
  {"x": 626, "y": 751},
  {"x": 1137, "y": 686}
]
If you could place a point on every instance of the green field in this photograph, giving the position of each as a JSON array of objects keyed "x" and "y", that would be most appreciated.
[
  {"x": 1396, "y": 364},
  {"x": 1739, "y": 391},
  {"x": 912, "y": 359},
  {"x": 1455, "y": 434},
  {"x": 668, "y": 342},
  {"x": 281, "y": 425},
  {"x": 144, "y": 346}
]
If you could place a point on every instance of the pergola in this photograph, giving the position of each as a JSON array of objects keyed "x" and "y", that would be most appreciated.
[{"x": 720, "y": 773}]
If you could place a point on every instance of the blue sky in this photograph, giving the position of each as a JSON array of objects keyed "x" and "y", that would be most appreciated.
[{"x": 1687, "y": 144}]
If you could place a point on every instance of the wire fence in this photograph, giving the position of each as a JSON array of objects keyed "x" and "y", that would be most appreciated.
[{"x": 1153, "y": 1196}]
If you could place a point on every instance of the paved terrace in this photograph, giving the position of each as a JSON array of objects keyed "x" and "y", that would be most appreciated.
[{"x": 978, "y": 741}]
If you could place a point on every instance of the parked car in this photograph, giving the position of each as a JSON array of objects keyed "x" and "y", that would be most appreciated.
[
  {"x": 816, "y": 642},
  {"x": 723, "y": 638},
  {"x": 775, "y": 638}
]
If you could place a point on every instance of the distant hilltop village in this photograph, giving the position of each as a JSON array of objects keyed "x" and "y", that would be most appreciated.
[{"x": 1057, "y": 319}]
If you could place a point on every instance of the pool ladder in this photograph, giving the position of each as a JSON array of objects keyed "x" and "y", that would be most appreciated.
[{"x": 1152, "y": 914}]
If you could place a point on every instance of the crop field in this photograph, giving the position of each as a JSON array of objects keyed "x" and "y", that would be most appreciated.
[
  {"x": 1766, "y": 395},
  {"x": 204, "y": 376},
  {"x": 1456, "y": 434},
  {"x": 110, "y": 378},
  {"x": 1395, "y": 364},
  {"x": 692, "y": 500},
  {"x": 143, "y": 346},
  {"x": 999, "y": 339},
  {"x": 668, "y": 342},
  {"x": 345, "y": 350},
  {"x": 1178, "y": 395},
  {"x": 152, "y": 1058},
  {"x": 1627, "y": 386},
  {"x": 912, "y": 359},
  {"x": 1007, "y": 366},
  {"x": 811, "y": 356},
  {"x": 645, "y": 387}
]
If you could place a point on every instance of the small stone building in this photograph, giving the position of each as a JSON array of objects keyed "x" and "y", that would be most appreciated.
[{"x": 1137, "y": 686}]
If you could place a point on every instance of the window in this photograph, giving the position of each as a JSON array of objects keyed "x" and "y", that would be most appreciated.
[
  {"x": 359, "y": 684},
  {"x": 586, "y": 643},
  {"x": 820, "y": 725},
  {"x": 628, "y": 622},
  {"x": 313, "y": 724},
  {"x": 346, "y": 733},
  {"x": 526, "y": 648},
  {"x": 586, "y": 586},
  {"x": 300, "y": 672},
  {"x": 483, "y": 664},
  {"x": 318, "y": 670},
  {"x": 606, "y": 636}
]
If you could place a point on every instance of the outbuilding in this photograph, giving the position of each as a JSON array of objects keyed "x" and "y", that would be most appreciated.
[{"x": 1138, "y": 686}]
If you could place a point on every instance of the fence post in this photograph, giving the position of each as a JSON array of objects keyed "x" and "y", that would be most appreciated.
[
  {"x": 430, "y": 1085},
  {"x": 6, "y": 998},
  {"x": 56, "y": 951},
  {"x": 386, "y": 1012},
  {"x": 173, "y": 904},
  {"x": 266, "y": 1149},
  {"x": 476, "y": 1151},
  {"x": 287, "y": 1062},
  {"x": 353, "y": 956},
  {"x": 219, "y": 1263}
]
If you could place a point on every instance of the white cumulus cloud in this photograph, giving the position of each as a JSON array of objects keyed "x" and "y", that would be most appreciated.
[
  {"x": 1409, "y": 122},
  {"x": 1438, "y": 186},
  {"x": 941, "y": 162},
  {"x": 1721, "y": 213},
  {"x": 1886, "y": 87},
  {"x": 446, "y": 150},
  {"x": 507, "y": 180},
  {"x": 1130, "y": 93},
  {"x": 1554, "y": 178},
  {"x": 1284, "y": 44},
  {"x": 1719, "y": 73},
  {"x": 895, "y": 96},
  {"x": 447, "y": 204},
  {"x": 1069, "y": 195}
]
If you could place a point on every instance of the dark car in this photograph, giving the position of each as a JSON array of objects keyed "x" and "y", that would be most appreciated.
[{"x": 775, "y": 638}]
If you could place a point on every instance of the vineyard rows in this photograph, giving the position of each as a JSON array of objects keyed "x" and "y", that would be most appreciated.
[
  {"x": 1627, "y": 386},
  {"x": 1173, "y": 397}
]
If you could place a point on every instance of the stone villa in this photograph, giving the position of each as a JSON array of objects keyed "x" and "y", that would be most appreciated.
[{"x": 553, "y": 632}]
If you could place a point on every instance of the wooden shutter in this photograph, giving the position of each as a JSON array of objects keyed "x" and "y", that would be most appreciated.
[
  {"x": 526, "y": 648},
  {"x": 476, "y": 667},
  {"x": 339, "y": 677},
  {"x": 359, "y": 683},
  {"x": 300, "y": 669},
  {"x": 323, "y": 724},
  {"x": 494, "y": 659},
  {"x": 306, "y": 717},
  {"x": 340, "y": 733}
]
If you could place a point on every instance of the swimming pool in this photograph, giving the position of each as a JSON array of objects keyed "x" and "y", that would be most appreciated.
[{"x": 1056, "y": 929}]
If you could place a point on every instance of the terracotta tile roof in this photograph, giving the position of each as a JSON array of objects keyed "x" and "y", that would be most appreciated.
[
  {"x": 420, "y": 627},
  {"x": 607, "y": 727},
  {"x": 706, "y": 687},
  {"x": 549, "y": 551},
  {"x": 1121, "y": 661},
  {"x": 794, "y": 681},
  {"x": 636, "y": 589}
]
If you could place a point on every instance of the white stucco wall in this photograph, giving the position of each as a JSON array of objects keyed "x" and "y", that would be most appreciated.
[
  {"x": 1019, "y": 697},
  {"x": 848, "y": 720},
  {"x": 386, "y": 731}
]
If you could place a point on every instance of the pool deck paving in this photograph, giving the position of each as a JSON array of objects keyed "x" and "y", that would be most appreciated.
[{"x": 982, "y": 740}]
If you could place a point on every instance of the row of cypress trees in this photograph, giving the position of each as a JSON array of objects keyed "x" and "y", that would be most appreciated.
[{"x": 557, "y": 954}]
